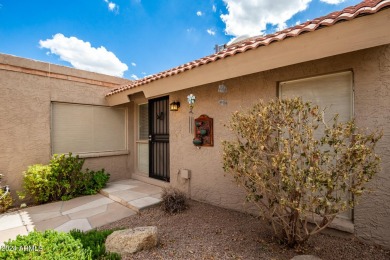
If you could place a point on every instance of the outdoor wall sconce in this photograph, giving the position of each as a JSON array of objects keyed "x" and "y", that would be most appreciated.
[{"x": 174, "y": 106}]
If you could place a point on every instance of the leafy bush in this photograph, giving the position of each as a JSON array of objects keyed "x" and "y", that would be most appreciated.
[
  {"x": 66, "y": 171},
  {"x": 296, "y": 167},
  {"x": 94, "y": 240},
  {"x": 62, "y": 179},
  {"x": 173, "y": 200},
  {"x": 5, "y": 197},
  {"x": 39, "y": 183},
  {"x": 97, "y": 181},
  {"x": 47, "y": 245}
]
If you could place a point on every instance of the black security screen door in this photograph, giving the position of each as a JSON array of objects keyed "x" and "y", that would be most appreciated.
[{"x": 159, "y": 138}]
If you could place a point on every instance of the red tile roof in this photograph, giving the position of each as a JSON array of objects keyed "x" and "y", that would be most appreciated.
[{"x": 364, "y": 8}]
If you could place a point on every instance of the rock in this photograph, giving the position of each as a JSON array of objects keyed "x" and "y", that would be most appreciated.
[
  {"x": 305, "y": 257},
  {"x": 129, "y": 241}
]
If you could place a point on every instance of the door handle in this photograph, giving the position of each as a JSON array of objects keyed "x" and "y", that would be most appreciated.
[{"x": 150, "y": 138}]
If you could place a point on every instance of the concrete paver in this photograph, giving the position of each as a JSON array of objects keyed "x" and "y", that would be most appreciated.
[
  {"x": 114, "y": 212},
  {"x": 10, "y": 220},
  {"x": 51, "y": 223},
  {"x": 117, "y": 200},
  {"x": 12, "y": 233},
  {"x": 89, "y": 205},
  {"x": 80, "y": 201},
  {"x": 86, "y": 213},
  {"x": 145, "y": 202},
  {"x": 80, "y": 224}
]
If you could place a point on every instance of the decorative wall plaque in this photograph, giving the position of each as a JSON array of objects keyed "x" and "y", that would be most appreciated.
[{"x": 204, "y": 135}]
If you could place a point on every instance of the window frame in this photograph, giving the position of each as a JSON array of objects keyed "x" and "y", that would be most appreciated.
[
  {"x": 93, "y": 154},
  {"x": 139, "y": 141},
  {"x": 279, "y": 85}
]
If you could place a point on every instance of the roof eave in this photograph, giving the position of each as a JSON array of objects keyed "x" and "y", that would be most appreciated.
[{"x": 360, "y": 33}]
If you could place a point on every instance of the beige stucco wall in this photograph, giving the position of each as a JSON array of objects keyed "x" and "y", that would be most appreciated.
[
  {"x": 371, "y": 68},
  {"x": 27, "y": 89}
]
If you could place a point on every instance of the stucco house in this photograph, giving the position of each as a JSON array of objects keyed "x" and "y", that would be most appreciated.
[{"x": 341, "y": 61}]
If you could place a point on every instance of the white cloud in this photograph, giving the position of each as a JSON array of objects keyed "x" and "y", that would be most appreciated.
[
  {"x": 199, "y": 13},
  {"x": 83, "y": 56},
  {"x": 135, "y": 77},
  {"x": 112, "y": 6},
  {"x": 251, "y": 17},
  {"x": 133, "y": 64},
  {"x": 214, "y": 8},
  {"x": 211, "y": 31},
  {"x": 333, "y": 2}
]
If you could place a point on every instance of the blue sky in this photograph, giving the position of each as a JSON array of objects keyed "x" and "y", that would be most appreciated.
[{"x": 136, "y": 38}]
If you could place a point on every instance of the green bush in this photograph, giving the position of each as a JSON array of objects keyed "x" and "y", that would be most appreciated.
[
  {"x": 296, "y": 167},
  {"x": 45, "y": 245},
  {"x": 94, "y": 240},
  {"x": 97, "y": 181},
  {"x": 173, "y": 200},
  {"x": 5, "y": 198},
  {"x": 39, "y": 183},
  {"x": 66, "y": 171},
  {"x": 62, "y": 179}
]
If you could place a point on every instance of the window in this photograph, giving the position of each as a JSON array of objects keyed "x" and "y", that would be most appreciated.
[
  {"x": 142, "y": 138},
  {"x": 88, "y": 129},
  {"x": 333, "y": 92}
]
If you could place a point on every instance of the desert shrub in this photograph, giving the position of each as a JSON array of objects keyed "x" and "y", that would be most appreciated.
[
  {"x": 298, "y": 168},
  {"x": 173, "y": 200},
  {"x": 44, "y": 245},
  {"x": 5, "y": 197},
  {"x": 62, "y": 179},
  {"x": 94, "y": 240}
]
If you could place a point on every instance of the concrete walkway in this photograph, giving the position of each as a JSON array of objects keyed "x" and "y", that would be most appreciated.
[{"x": 118, "y": 200}]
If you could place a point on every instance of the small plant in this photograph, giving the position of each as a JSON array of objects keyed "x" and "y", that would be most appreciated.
[
  {"x": 45, "y": 245},
  {"x": 5, "y": 197},
  {"x": 94, "y": 240},
  {"x": 39, "y": 183},
  {"x": 97, "y": 181},
  {"x": 173, "y": 200},
  {"x": 62, "y": 179},
  {"x": 296, "y": 168}
]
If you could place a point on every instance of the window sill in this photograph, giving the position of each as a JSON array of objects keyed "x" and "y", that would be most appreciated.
[{"x": 101, "y": 154}]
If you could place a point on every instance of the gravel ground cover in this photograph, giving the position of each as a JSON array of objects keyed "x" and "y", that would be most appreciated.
[{"x": 208, "y": 232}]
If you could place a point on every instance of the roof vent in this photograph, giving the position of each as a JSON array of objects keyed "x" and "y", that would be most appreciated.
[{"x": 219, "y": 48}]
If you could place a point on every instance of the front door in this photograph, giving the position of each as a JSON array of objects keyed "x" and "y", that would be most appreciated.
[{"x": 159, "y": 138}]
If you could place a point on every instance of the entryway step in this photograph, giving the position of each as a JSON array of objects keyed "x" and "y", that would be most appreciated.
[{"x": 133, "y": 194}]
